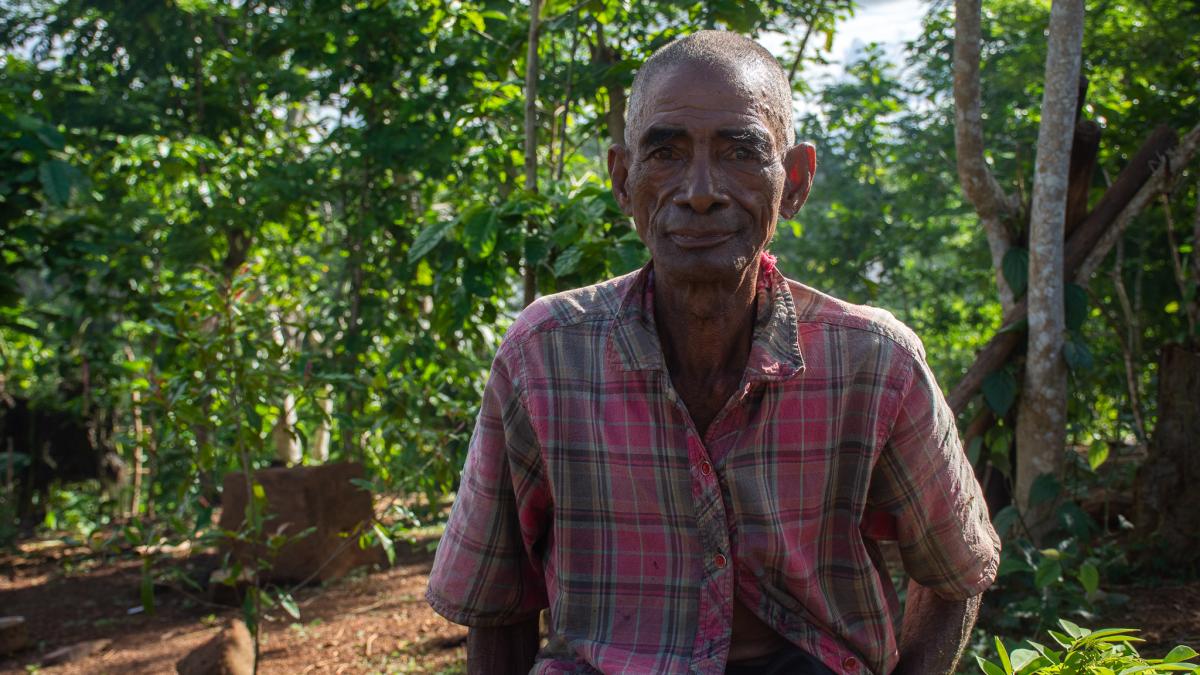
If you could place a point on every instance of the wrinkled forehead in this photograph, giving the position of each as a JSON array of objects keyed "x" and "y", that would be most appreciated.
[{"x": 721, "y": 93}]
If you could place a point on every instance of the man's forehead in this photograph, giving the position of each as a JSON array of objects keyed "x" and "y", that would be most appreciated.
[{"x": 721, "y": 95}]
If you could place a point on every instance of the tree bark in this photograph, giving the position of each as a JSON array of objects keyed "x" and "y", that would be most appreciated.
[
  {"x": 1042, "y": 410},
  {"x": 1167, "y": 500},
  {"x": 1084, "y": 148},
  {"x": 995, "y": 208},
  {"x": 531, "y": 86}
]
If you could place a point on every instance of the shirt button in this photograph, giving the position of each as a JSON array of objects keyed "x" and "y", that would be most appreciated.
[
  {"x": 720, "y": 561},
  {"x": 705, "y": 468},
  {"x": 850, "y": 663}
]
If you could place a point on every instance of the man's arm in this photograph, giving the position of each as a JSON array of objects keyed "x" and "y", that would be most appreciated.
[
  {"x": 503, "y": 650},
  {"x": 934, "y": 632}
]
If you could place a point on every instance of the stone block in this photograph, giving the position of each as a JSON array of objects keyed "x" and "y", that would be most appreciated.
[{"x": 298, "y": 498}]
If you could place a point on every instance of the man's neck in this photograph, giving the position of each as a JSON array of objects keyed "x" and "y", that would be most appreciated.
[{"x": 705, "y": 330}]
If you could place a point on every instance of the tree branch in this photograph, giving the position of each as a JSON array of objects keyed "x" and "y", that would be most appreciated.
[
  {"x": 995, "y": 208},
  {"x": 1167, "y": 172}
]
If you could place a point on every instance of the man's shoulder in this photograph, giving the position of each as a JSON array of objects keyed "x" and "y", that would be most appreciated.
[
  {"x": 591, "y": 307},
  {"x": 816, "y": 309}
]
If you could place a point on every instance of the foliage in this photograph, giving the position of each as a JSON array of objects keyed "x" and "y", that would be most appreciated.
[
  {"x": 1107, "y": 651},
  {"x": 208, "y": 206}
]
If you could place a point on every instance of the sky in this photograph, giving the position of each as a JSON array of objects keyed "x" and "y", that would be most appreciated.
[{"x": 888, "y": 22}]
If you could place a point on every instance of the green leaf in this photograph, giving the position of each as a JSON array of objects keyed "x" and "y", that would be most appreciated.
[
  {"x": 1003, "y": 653},
  {"x": 1005, "y": 519},
  {"x": 1097, "y": 454},
  {"x": 1045, "y": 489},
  {"x": 567, "y": 261},
  {"x": 1012, "y": 564},
  {"x": 50, "y": 136},
  {"x": 1076, "y": 301},
  {"x": 1180, "y": 653},
  {"x": 1021, "y": 658},
  {"x": 1073, "y": 629},
  {"x": 973, "y": 449},
  {"x": 1015, "y": 267},
  {"x": 1000, "y": 391},
  {"x": 288, "y": 603},
  {"x": 479, "y": 232},
  {"x": 999, "y": 442},
  {"x": 475, "y": 19},
  {"x": 427, "y": 239},
  {"x": 1078, "y": 356},
  {"x": 1048, "y": 571},
  {"x": 1089, "y": 577},
  {"x": 989, "y": 667},
  {"x": 1062, "y": 639},
  {"x": 389, "y": 547},
  {"x": 58, "y": 179}
]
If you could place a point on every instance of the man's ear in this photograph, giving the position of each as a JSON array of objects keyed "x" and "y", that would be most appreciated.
[
  {"x": 618, "y": 171},
  {"x": 800, "y": 163}
]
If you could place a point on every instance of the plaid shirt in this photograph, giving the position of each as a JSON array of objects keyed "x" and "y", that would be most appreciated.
[{"x": 588, "y": 489}]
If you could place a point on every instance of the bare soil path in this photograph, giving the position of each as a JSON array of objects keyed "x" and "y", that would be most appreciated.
[{"x": 373, "y": 622}]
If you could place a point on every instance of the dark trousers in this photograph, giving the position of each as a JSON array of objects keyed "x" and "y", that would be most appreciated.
[{"x": 790, "y": 660}]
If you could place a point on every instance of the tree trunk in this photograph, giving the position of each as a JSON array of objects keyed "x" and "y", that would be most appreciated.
[
  {"x": 1167, "y": 499},
  {"x": 531, "y": 86},
  {"x": 1042, "y": 411}
]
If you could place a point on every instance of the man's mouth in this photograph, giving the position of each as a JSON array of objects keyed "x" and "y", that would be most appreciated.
[{"x": 692, "y": 239}]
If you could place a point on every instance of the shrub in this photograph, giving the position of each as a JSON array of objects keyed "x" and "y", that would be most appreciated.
[{"x": 1108, "y": 651}]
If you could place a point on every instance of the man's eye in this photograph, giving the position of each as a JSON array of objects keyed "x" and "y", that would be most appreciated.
[
  {"x": 744, "y": 154},
  {"x": 663, "y": 153}
]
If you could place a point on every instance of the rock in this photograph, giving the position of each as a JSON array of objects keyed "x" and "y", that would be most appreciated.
[
  {"x": 299, "y": 498},
  {"x": 14, "y": 636},
  {"x": 230, "y": 652},
  {"x": 79, "y": 650}
]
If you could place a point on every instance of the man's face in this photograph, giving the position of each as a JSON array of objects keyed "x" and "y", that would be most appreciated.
[{"x": 706, "y": 176}]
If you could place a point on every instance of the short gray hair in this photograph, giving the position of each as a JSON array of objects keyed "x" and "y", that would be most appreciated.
[{"x": 721, "y": 50}]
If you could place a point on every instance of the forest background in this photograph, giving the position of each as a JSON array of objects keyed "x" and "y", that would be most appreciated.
[{"x": 249, "y": 232}]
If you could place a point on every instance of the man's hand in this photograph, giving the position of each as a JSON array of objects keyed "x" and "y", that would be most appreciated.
[
  {"x": 502, "y": 650},
  {"x": 934, "y": 632}
]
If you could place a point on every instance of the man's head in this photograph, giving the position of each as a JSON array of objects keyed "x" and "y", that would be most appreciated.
[{"x": 708, "y": 165}]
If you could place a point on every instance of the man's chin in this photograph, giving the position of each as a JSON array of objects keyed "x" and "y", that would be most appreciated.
[{"x": 702, "y": 267}]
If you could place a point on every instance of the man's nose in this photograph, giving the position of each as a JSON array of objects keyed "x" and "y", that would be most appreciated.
[{"x": 702, "y": 191}]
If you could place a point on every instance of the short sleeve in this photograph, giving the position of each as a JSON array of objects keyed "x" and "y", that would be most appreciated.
[
  {"x": 924, "y": 480},
  {"x": 487, "y": 571}
]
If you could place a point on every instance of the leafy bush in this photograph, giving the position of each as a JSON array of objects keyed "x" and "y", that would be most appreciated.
[{"x": 1108, "y": 651}]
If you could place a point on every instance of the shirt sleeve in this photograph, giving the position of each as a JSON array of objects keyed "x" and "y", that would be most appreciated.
[
  {"x": 487, "y": 571},
  {"x": 923, "y": 478}
]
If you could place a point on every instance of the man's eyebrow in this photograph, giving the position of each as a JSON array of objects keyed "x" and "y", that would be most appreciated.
[
  {"x": 658, "y": 135},
  {"x": 751, "y": 135}
]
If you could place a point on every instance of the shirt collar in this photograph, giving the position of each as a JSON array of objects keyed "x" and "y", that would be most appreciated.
[{"x": 774, "y": 349}]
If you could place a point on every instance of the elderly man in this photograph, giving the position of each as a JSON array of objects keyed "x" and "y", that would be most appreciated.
[{"x": 692, "y": 465}]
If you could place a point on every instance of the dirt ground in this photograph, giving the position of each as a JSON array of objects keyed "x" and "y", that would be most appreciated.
[{"x": 371, "y": 622}]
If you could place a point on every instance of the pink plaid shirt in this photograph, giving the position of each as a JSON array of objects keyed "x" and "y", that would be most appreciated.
[{"x": 588, "y": 489}]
